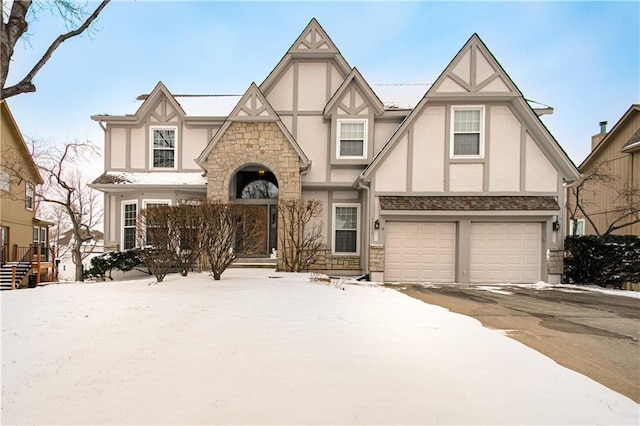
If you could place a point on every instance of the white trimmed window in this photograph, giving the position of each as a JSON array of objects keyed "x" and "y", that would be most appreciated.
[
  {"x": 5, "y": 180},
  {"x": 467, "y": 129},
  {"x": 146, "y": 204},
  {"x": 163, "y": 147},
  {"x": 578, "y": 225},
  {"x": 352, "y": 138},
  {"x": 129, "y": 217},
  {"x": 29, "y": 196},
  {"x": 346, "y": 226}
]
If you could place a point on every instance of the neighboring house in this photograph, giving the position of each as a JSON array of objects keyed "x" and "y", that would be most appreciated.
[
  {"x": 616, "y": 153},
  {"x": 467, "y": 186},
  {"x": 89, "y": 249},
  {"x": 23, "y": 234}
]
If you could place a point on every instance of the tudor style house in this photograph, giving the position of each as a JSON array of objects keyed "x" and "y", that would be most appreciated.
[
  {"x": 612, "y": 202},
  {"x": 465, "y": 187}
]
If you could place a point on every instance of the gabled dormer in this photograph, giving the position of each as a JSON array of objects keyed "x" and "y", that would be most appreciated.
[
  {"x": 351, "y": 112},
  {"x": 307, "y": 75},
  {"x": 474, "y": 70},
  {"x": 253, "y": 107}
]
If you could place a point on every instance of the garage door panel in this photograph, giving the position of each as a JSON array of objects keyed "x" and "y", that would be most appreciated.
[
  {"x": 505, "y": 252},
  {"x": 427, "y": 252}
]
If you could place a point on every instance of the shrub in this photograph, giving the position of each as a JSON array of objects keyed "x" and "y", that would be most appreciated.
[
  {"x": 103, "y": 265},
  {"x": 607, "y": 260}
]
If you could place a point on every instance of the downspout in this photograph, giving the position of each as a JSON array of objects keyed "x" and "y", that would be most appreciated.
[{"x": 367, "y": 237}]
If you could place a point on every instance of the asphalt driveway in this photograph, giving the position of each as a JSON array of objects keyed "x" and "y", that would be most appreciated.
[{"x": 589, "y": 332}]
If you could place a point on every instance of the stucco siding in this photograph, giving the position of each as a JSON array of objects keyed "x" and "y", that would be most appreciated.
[
  {"x": 466, "y": 177},
  {"x": 392, "y": 173},
  {"x": 139, "y": 144},
  {"x": 336, "y": 79},
  {"x": 428, "y": 150},
  {"x": 118, "y": 158},
  {"x": 325, "y": 216},
  {"x": 344, "y": 175},
  {"x": 312, "y": 87},
  {"x": 540, "y": 174},
  {"x": 281, "y": 96},
  {"x": 382, "y": 133},
  {"x": 193, "y": 142},
  {"x": 313, "y": 140},
  {"x": 504, "y": 150}
]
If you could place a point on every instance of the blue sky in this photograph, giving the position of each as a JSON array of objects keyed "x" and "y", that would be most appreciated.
[{"x": 581, "y": 58}]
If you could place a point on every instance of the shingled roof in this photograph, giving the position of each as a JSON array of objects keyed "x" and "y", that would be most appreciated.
[{"x": 468, "y": 203}]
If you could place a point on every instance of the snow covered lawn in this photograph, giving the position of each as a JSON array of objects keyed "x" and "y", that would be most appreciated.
[{"x": 256, "y": 349}]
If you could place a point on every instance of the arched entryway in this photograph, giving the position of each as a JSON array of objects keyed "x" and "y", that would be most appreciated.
[{"x": 257, "y": 185}]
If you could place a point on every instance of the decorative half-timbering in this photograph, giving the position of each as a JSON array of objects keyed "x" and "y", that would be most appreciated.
[{"x": 465, "y": 186}]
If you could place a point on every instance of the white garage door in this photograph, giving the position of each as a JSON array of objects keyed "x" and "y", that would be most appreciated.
[
  {"x": 505, "y": 253},
  {"x": 420, "y": 251}
]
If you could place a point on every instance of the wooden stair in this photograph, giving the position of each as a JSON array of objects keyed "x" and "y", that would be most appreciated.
[{"x": 22, "y": 269}]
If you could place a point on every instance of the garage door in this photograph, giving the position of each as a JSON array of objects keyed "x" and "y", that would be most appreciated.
[
  {"x": 505, "y": 253},
  {"x": 420, "y": 252}
]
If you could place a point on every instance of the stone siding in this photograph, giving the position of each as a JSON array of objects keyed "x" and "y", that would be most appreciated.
[
  {"x": 253, "y": 143},
  {"x": 324, "y": 260},
  {"x": 376, "y": 258},
  {"x": 555, "y": 264}
]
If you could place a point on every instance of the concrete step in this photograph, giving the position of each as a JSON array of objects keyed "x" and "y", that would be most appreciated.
[{"x": 255, "y": 262}]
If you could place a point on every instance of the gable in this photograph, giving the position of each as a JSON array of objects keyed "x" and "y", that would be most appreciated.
[
  {"x": 474, "y": 70},
  {"x": 160, "y": 107},
  {"x": 623, "y": 137},
  {"x": 14, "y": 147},
  {"x": 252, "y": 107},
  {"x": 354, "y": 97},
  {"x": 312, "y": 44},
  {"x": 474, "y": 78}
]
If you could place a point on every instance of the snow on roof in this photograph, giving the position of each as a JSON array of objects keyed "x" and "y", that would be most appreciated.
[
  {"x": 152, "y": 178},
  {"x": 208, "y": 105},
  {"x": 400, "y": 96}
]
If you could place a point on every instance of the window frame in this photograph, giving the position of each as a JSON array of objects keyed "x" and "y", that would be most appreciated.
[
  {"x": 5, "y": 181},
  {"x": 365, "y": 137},
  {"x": 153, "y": 203},
  {"x": 124, "y": 226},
  {"x": 28, "y": 196},
  {"x": 152, "y": 148},
  {"x": 581, "y": 229},
  {"x": 481, "y": 131},
  {"x": 335, "y": 229}
]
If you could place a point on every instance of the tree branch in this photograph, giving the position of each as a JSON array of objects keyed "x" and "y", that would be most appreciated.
[{"x": 26, "y": 84}]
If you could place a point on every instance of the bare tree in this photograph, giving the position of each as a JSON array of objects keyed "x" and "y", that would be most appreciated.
[
  {"x": 229, "y": 231},
  {"x": 15, "y": 24},
  {"x": 625, "y": 210},
  {"x": 188, "y": 221},
  {"x": 158, "y": 240},
  {"x": 301, "y": 232},
  {"x": 66, "y": 187}
]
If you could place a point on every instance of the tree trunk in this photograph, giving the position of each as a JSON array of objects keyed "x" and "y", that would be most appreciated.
[{"x": 77, "y": 260}]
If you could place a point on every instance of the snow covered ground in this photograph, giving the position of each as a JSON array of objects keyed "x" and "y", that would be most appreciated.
[{"x": 261, "y": 347}]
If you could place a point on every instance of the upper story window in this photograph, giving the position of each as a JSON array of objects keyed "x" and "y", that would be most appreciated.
[
  {"x": 5, "y": 180},
  {"x": 467, "y": 132},
  {"x": 346, "y": 221},
  {"x": 29, "y": 196},
  {"x": 163, "y": 147},
  {"x": 352, "y": 138}
]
